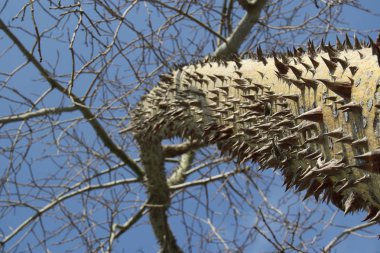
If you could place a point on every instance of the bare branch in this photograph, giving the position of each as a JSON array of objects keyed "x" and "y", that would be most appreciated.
[
  {"x": 118, "y": 230},
  {"x": 205, "y": 181},
  {"x": 179, "y": 149},
  {"x": 179, "y": 174},
  {"x": 41, "y": 112},
  {"x": 241, "y": 32},
  {"x": 101, "y": 132},
  {"x": 60, "y": 199},
  {"x": 339, "y": 238},
  {"x": 190, "y": 17}
]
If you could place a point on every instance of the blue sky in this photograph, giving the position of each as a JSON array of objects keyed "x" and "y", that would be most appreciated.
[{"x": 366, "y": 24}]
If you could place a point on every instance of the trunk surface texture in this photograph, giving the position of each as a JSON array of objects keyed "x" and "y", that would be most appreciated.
[{"x": 313, "y": 114}]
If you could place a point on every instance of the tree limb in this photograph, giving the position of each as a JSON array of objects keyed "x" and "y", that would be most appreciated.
[
  {"x": 41, "y": 112},
  {"x": 204, "y": 181},
  {"x": 179, "y": 174},
  {"x": 336, "y": 240},
  {"x": 179, "y": 149},
  {"x": 237, "y": 38},
  {"x": 158, "y": 192}
]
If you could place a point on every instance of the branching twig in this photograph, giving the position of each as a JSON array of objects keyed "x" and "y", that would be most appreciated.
[
  {"x": 208, "y": 180},
  {"x": 338, "y": 239},
  {"x": 118, "y": 230},
  {"x": 237, "y": 38},
  {"x": 100, "y": 131},
  {"x": 61, "y": 198},
  {"x": 41, "y": 112}
]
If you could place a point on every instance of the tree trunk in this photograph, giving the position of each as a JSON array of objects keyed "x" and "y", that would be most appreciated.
[{"x": 315, "y": 116}]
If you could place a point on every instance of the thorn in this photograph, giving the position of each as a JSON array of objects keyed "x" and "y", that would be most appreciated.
[
  {"x": 300, "y": 52},
  {"x": 359, "y": 142},
  {"x": 347, "y": 42},
  {"x": 200, "y": 76},
  {"x": 310, "y": 82},
  {"x": 281, "y": 113},
  {"x": 357, "y": 43},
  {"x": 313, "y": 156},
  {"x": 363, "y": 179},
  {"x": 290, "y": 139},
  {"x": 349, "y": 202},
  {"x": 284, "y": 59},
  {"x": 314, "y": 62},
  {"x": 321, "y": 46},
  {"x": 342, "y": 89},
  {"x": 342, "y": 62},
  {"x": 370, "y": 156},
  {"x": 332, "y": 98},
  {"x": 240, "y": 81},
  {"x": 296, "y": 72},
  {"x": 361, "y": 56},
  {"x": 307, "y": 67},
  {"x": 332, "y": 52},
  {"x": 315, "y": 139},
  {"x": 314, "y": 115},
  {"x": 338, "y": 45},
  {"x": 376, "y": 217},
  {"x": 353, "y": 70},
  {"x": 294, "y": 97},
  {"x": 372, "y": 45},
  {"x": 304, "y": 126},
  {"x": 281, "y": 67},
  {"x": 352, "y": 106},
  {"x": 330, "y": 65},
  {"x": 346, "y": 139},
  {"x": 238, "y": 63},
  {"x": 371, "y": 213},
  {"x": 313, "y": 186},
  {"x": 346, "y": 185},
  {"x": 311, "y": 49},
  {"x": 238, "y": 73},
  {"x": 214, "y": 91},
  {"x": 299, "y": 84},
  {"x": 260, "y": 55},
  {"x": 166, "y": 78},
  {"x": 221, "y": 78},
  {"x": 340, "y": 101},
  {"x": 337, "y": 133},
  {"x": 375, "y": 50},
  {"x": 261, "y": 74},
  {"x": 295, "y": 53},
  {"x": 325, "y": 183}
]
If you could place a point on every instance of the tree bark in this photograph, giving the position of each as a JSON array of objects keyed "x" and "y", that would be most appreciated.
[
  {"x": 158, "y": 192},
  {"x": 314, "y": 116}
]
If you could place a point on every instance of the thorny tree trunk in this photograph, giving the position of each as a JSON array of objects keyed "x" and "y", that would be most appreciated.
[
  {"x": 314, "y": 116},
  {"x": 84, "y": 78},
  {"x": 151, "y": 149}
]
